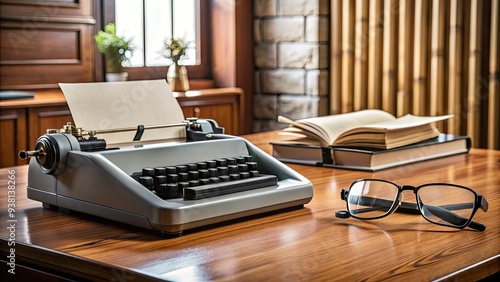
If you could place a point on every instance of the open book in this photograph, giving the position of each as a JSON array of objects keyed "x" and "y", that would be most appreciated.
[{"x": 366, "y": 128}]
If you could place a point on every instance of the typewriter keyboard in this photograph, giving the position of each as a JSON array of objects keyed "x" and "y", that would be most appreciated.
[{"x": 195, "y": 181}]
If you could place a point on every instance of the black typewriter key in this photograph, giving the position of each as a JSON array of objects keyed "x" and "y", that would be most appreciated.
[
  {"x": 231, "y": 161},
  {"x": 212, "y": 172},
  {"x": 193, "y": 175},
  {"x": 161, "y": 190},
  {"x": 242, "y": 167},
  {"x": 254, "y": 173},
  {"x": 183, "y": 177},
  {"x": 202, "y": 165},
  {"x": 220, "y": 162},
  {"x": 211, "y": 164},
  {"x": 203, "y": 173},
  {"x": 247, "y": 158},
  {"x": 221, "y": 170},
  {"x": 251, "y": 165},
  {"x": 181, "y": 168},
  {"x": 148, "y": 171},
  {"x": 204, "y": 181},
  {"x": 244, "y": 175},
  {"x": 167, "y": 191},
  {"x": 232, "y": 169},
  {"x": 240, "y": 160},
  {"x": 160, "y": 171},
  {"x": 194, "y": 183},
  {"x": 170, "y": 170},
  {"x": 160, "y": 179},
  {"x": 173, "y": 190},
  {"x": 234, "y": 176},
  {"x": 180, "y": 188},
  {"x": 214, "y": 180},
  {"x": 147, "y": 181},
  {"x": 172, "y": 178},
  {"x": 191, "y": 167},
  {"x": 224, "y": 178}
]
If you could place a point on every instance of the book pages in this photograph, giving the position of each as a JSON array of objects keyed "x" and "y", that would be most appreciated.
[
  {"x": 329, "y": 128},
  {"x": 366, "y": 128}
]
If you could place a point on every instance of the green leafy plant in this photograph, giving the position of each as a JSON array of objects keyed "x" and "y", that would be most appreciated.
[
  {"x": 117, "y": 50},
  {"x": 175, "y": 49}
]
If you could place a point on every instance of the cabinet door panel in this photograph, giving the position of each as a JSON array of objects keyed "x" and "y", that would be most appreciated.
[
  {"x": 222, "y": 114},
  {"x": 45, "y": 118},
  {"x": 13, "y": 136}
]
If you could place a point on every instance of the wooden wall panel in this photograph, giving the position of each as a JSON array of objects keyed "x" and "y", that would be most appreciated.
[
  {"x": 38, "y": 48},
  {"x": 45, "y": 43},
  {"x": 233, "y": 67}
]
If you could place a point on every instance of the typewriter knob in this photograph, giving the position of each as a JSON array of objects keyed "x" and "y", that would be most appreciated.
[{"x": 51, "y": 152}]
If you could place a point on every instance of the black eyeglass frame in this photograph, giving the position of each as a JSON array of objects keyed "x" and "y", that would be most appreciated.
[{"x": 396, "y": 204}]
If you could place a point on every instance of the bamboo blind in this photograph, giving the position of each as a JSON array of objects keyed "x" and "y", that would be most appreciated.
[{"x": 421, "y": 57}]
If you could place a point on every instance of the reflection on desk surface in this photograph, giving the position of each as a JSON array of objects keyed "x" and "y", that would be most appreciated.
[{"x": 299, "y": 244}]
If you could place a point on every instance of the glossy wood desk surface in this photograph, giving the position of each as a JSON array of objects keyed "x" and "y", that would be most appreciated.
[{"x": 302, "y": 244}]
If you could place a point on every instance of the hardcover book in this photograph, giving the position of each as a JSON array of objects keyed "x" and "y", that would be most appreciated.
[{"x": 370, "y": 159}]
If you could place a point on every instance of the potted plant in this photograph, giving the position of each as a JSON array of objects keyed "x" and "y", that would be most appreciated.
[
  {"x": 175, "y": 49},
  {"x": 117, "y": 51}
]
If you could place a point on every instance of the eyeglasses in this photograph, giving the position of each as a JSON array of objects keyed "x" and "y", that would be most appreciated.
[{"x": 440, "y": 203}]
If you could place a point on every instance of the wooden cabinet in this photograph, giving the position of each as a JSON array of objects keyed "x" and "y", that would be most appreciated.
[
  {"x": 43, "y": 118},
  {"x": 13, "y": 134},
  {"x": 222, "y": 105},
  {"x": 23, "y": 121}
]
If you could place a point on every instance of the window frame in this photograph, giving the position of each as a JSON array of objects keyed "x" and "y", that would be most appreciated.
[{"x": 201, "y": 71}]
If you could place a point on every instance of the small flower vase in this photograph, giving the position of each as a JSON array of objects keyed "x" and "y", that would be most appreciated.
[{"x": 177, "y": 78}]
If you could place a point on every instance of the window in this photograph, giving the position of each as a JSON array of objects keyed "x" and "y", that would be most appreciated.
[{"x": 150, "y": 22}]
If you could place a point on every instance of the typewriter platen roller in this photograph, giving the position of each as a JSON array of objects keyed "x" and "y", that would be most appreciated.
[{"x": 72, "y": 169}]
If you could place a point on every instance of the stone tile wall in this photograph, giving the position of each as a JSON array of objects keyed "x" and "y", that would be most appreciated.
[{"x": 291, "y": 60}]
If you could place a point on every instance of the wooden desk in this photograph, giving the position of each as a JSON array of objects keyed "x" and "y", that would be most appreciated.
[{"x": 303, "y": 244}]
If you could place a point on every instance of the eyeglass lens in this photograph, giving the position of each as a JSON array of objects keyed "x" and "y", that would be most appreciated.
[
  {"x": 371, "y": 199},
  {"x": 446, "y": 204},
  {"x": 441, "y": 204}
]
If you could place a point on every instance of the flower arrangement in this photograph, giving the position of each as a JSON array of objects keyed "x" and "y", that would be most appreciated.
[
  {"x": 175, "y": 49},
  {"x": 116, "y": 49}
]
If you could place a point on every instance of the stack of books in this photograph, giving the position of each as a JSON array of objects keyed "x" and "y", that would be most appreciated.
[{"x": 366, "y": 140}]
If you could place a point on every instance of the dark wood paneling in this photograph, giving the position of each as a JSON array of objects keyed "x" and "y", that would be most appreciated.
[
  {"x": 36, "y": 12},
  {"x": 45, "y": 43},
  {"x": 19, "y": 47},
  {"x": 232, "y": 26}
]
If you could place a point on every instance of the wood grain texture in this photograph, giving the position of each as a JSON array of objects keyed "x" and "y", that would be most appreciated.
[
  {"x": 44, "y": 43},
  {"x": 302, "y": 244}
]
